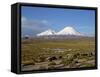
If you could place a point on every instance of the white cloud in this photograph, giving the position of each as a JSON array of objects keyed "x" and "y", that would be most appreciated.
[
  {"x": 23, "y": 19},
  {"x": 44, "y": 21},
  {"x": 34, "y": 25}
]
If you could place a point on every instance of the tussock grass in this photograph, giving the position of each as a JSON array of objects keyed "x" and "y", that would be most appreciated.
[{"x": 73, "y": 49}]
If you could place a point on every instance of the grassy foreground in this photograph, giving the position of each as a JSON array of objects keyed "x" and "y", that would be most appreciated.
[{"x": 40, "y": 54}]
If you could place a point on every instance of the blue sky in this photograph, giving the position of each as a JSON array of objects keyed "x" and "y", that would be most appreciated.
[{"x": 38, "y": 19}]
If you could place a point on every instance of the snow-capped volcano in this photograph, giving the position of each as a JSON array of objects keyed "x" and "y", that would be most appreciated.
[
  {"x": 66, "y": 31},
  {"x": 47, "y": 33},
  {"x": 69, "y": 31}
]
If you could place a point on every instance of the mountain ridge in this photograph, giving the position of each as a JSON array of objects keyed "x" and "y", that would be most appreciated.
[
  {"x": 47, "y": 32},
  {"x": 66, "y": 31}
]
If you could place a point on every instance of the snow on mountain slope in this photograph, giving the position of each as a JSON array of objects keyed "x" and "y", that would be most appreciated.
[
  {"x": 69, "y": 31},
  {"x": 46, "y": 33},
  {"x": 66, "y": 31}
]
